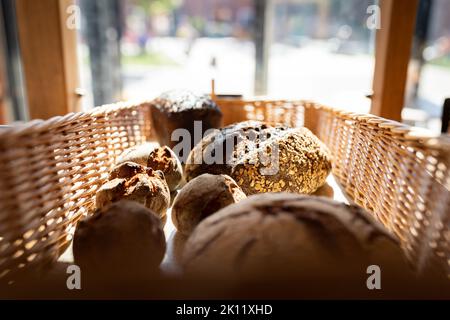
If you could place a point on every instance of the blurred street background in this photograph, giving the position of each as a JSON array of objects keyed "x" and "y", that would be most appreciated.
[{"x": 314, "y": 49}]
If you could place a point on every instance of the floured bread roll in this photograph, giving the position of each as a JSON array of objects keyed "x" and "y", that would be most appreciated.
[
  {"x": 306, "y": 243},
  {"x": 126, "y": 170},
  {"x": 263, "y": 158},
  {"x": 165, "y": 160},
  {"x": 137, "y": 154},
  {"x": 148, "y": 188},
  {"x": 157, "y": 158}
]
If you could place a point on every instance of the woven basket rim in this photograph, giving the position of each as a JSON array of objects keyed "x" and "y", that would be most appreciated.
[
  {"x": 420, "y": 135},
  {"x": 40, "y": 125}
]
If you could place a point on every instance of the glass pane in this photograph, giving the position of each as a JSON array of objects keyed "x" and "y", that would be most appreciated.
[
  {"x": 320, "y": 50},
  {"x": 184, "y": 44},
  {"x": 429, "y": 71},
  {"x": 323, "y": 50}
]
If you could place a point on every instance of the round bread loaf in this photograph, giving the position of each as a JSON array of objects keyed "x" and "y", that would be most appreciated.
[
  {"x": 165, "y": 160},
  {"x": 309, "y": 242},
  {"x": 263, "y": 158},
  {"x": 126, "y": 170},
  {"x": 179, "y": 109},
  {"x": 122, "y": 240},
  {"x": 138, "y": 154},
  {"x": 156, "y": 158},
  {"x": 201, "y": 197},
  {"x": 149, "y": 189},
  {"x": 178, "y": 241}
]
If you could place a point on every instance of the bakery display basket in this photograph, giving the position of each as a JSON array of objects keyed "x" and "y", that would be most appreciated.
[{"x": 50, "y": 171}]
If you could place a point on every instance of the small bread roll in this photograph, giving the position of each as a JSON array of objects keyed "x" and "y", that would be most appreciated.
[
  {"x": 165, "y": 160},
  {"x": 149, "y": 189},
  {"x": 126, "y": 170},
  {"x": 148, "y": 155},
  {"x": 137, "y": 154},
  {"x": 201, "y": 197},
  {"x": 178, "y": 242},
  {"x": 120, "y": 241}
]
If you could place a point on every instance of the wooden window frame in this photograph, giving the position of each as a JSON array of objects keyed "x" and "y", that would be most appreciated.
[
  {"x": 392, "y": 56},
  {"x": 49, "y": 57}
]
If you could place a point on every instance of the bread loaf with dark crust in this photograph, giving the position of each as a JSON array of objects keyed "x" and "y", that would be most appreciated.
[
  {"x": 121, "y": 241},
  {"x": 179, "y": 109},
  {"x": 263, "y": 158},
  {"x": 284, "y": 237},
  {"x": 202, "y": 197}
]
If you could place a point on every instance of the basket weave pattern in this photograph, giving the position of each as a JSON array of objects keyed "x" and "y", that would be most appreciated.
[
  {"x": 400, "y": 177},
  {"x": 50, "y": 171}
]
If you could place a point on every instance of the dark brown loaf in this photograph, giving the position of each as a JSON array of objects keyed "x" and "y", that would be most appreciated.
[
  {"x": 165, "y": 160},
  {"x": 149, "y": 189},
  {"x": 179, "y": 109},
  {"x": 284, "y": 237},
  {"x": 263, "y": 158},
  {"x": 123, "y": 240},
  {"x": 202, "y": 197}
]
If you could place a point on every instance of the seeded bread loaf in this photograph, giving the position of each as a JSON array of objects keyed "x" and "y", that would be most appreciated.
[
  {"x": 263, "y": 158},
  {"x": 285, "y": 237},
  {"x": 179, "y": 109}
]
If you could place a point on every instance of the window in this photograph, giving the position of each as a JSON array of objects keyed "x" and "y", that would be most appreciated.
[
  {"x": 318, "y": 49},
  {"x": 170, "y": 44},
  {"x": 429, "y": 71},
  {"x": 294, "y": 49},
  {"x": 322, "y": 50}
]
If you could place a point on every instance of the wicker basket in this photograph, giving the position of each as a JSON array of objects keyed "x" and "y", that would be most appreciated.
[{"x": 50, "y": 171}]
